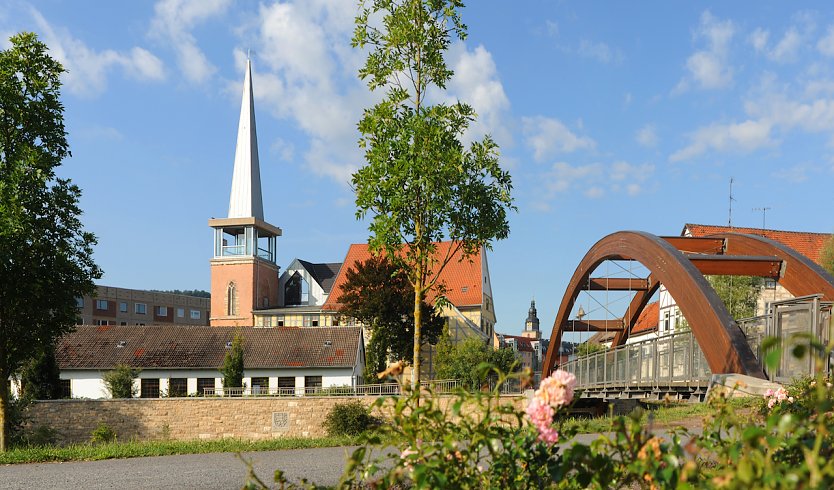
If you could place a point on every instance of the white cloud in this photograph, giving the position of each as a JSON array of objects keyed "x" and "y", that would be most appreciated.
[
  {"x": 476, "y": 82},
  {"x": 826, "y": 44},
  {"x": 99, "y": 133},
  {"x": 172, "y": 24},
  {"x": 709, "y": 68},
  {"x": 758, "y": 39},
  {"x": 87, "y": 68},
  {"x": 593, "y": 180},
  {"x": 305, "y": 70},
  {"x": 647, "y": 136},
  {"x": 599, "y": 51},
  {"x": 551, "y": 27},
  {"x": 548, "y": 136},
  {"x": 745, "y": 137},
  {"x": 787, "y": 48}
]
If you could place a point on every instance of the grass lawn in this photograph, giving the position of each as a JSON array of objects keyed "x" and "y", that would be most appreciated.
[
  {"x": 664, "y": 414},
  {"x": 89, "y": 452}
]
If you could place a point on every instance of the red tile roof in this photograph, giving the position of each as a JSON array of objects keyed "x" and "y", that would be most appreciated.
[
  {"x": 648, "y": 319},
  {"x": 462, "y": 278},
  {"x": 807, "y": 243},
  {"x": 153, "y": 346}
]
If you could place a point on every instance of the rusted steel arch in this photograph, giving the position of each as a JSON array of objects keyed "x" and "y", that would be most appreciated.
[
  {"x": 723, "y": 343},
  {"x": 800, "y": 275}
]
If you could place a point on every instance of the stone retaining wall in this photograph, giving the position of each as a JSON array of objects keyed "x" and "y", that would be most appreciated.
[{"x": 189, "y": 418}]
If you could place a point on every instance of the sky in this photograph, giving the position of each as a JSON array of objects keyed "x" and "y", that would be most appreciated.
[{"x": 610, "y": 116}]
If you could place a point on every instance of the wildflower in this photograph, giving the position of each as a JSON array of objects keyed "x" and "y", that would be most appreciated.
[{"x": 557, "y": 389}]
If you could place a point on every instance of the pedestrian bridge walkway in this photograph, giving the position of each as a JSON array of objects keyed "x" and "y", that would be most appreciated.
[{"x": 674, "y": 365}]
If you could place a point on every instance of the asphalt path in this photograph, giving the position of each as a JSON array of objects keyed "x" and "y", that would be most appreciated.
[{"x": 322, "y": 466}]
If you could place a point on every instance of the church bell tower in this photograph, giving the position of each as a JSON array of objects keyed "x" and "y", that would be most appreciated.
[
  {"x": 244, "y": 273},
  {"x": 531, "y": 326}
]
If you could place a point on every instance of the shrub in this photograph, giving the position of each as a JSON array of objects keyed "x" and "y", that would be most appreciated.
[
  {"x": 102, "y": 434},
  {"x": 349, "y": 419},
  {"x": 232, "y": 368},
  {"x": 42, "y": 435},
  {"x": 119, "y": 382}
]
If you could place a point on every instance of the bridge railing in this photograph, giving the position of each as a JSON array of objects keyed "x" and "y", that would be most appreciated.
[{"x": 670, "y": 359}]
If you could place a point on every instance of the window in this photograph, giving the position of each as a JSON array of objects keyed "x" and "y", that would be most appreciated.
[
  {"x": 311, "y": 321},
  {"x": 178, "y": 387},
  {"x": 79, "y": 302},
  {"x": 231, "y": 300},
  {"x": 100, "y": 322},
  {"x": 180, "y": 312},
  {"x": 266, "y": 321},
  {"x": 123, "y": 306},
  {"x": 162, "y": 311},
  {"x": 260, "y": 385},
  {"x": 122, "y": 323},
  {"x": 66, "y": 388},
  {"x": 140, "y": 308},
  {"x": 195, "y": 314},
  {"x": 286, "y": 385},
  {"x": 279, "y": 320},
  {"x": 666, "y": 321},
  {"x": 770, "y": 284},
  {"x": 101, "y": 304},
  {"x": 140, "y": 324},
  {"x": 312, "y": 384},
  {"x": 149, "y": 388},
  {"x": 296, "y": 291},
  {"x": 204, "y": 384}
]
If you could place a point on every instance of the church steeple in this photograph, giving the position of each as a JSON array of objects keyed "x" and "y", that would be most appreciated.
[
  {"x": 245, "y": 200},
  {"x": 531, "y": 326},
  {"x": 244, "y": 272}
]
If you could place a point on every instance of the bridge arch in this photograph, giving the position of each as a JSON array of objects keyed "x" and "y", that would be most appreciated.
[{"x": 723, "y": 343}]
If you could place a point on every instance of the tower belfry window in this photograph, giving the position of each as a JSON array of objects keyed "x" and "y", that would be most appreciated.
[{"x": 231, "y": 297}]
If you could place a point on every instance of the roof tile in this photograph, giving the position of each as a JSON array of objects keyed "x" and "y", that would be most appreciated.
[{"x": 807, "y": 243}]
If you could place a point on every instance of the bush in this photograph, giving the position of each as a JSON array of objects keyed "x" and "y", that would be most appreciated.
[
  {"x": 349, "y": 419},
  {"x": 42, "y": 435},
  {"x": 102, "y": 434},
  {"x": 119, "y": 382}
]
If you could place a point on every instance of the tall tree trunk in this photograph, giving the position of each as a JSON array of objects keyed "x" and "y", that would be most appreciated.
[
  {"x": 418, "y": 320},
  {"x": 4, "y": 410}
]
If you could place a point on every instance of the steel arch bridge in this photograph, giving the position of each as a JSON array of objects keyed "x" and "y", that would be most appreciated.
[{"x": 680, "y": 264}]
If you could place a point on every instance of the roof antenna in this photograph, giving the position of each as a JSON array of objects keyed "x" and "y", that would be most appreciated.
[
  {"x": 730, "y": 220},
  {"x": 764, "y": 211},
  {"x": 247, "y": 53}
]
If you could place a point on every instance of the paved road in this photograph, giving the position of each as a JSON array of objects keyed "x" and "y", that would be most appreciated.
[{"x": 324, "y": 466}]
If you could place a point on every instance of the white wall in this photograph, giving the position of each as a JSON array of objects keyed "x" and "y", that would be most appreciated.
[{"x": 88, "y": 383}]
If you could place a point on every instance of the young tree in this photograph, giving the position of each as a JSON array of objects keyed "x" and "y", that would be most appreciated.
[
  {"x": 379, "y": 294},
  {"x": 46, "y": 254},
  {"x": 119, "y": 381},
  {"x": 827, "y": 255},
  {"x": 420, "y": 183},
  {"x": 232, "y": 368}
]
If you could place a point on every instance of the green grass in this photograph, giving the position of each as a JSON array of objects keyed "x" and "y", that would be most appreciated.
[
  {"x": 89, "y": 452},
  {"x": 664, "y": 414}
]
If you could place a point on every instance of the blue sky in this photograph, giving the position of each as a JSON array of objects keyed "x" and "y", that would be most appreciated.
[{"x": 610, "y": 116}]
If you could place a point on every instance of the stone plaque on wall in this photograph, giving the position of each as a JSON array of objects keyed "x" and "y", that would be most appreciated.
[{"x": 280, "y": 421}]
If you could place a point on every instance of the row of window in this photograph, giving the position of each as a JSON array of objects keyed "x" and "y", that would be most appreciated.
[
  {"x": 139, "y": 308},
  {"x": 178, "y": 387}
]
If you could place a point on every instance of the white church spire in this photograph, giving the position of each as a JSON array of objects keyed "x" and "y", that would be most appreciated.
[{"x": 245, "y": 200}]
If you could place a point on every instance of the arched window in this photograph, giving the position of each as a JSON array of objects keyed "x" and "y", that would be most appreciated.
[
  {"x": 231, "y": 298},
  {"x": 292, "y": 291}
]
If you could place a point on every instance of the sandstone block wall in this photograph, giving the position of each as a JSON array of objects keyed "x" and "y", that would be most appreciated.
[{"x": 191, "y": 418}]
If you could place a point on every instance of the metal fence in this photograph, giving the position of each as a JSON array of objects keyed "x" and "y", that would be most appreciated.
[
  {"x": 439, "y": 386},
  {"x": 671, "y": 359}
]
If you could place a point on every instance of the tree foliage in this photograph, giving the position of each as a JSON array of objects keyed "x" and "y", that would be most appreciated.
[
  {"x": 119, "y": 381},
  {"x": 45, "y": 254},
  {"x": 827, "y": 255},
  {"x": 232, "y": 368},
  {"x": 421, "y": 184},
  {"x": 379, "y": 294},
  {"x": 40, "y": 377},
  {"x": 461, "y": 360},
  {"x": 588, "y": 348},
  {"x": 739, "y": 293}
]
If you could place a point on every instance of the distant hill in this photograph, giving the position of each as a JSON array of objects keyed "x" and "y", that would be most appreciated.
[{"x": 199, "y": 293}]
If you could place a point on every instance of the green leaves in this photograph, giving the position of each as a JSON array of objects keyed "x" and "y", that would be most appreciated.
[{"x": 47, "y": 256}]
